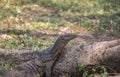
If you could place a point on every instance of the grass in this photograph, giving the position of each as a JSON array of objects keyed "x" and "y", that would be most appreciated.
[
  {"x": 20, "y": 19},
  {"x": 7, "y": 65},
  {"x": 26, "y": 42},
  {"x": 92, "y": 71}
]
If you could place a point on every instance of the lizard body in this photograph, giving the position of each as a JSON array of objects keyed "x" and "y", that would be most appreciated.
[
  {"x": 55, "y": 52},
  {"x": 44, "y": 63}
]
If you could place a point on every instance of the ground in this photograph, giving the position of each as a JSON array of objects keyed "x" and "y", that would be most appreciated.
[{"x": 35, "y": 24}]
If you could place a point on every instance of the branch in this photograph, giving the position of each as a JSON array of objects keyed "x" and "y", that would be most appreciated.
[{"x": 105, "y": 53}]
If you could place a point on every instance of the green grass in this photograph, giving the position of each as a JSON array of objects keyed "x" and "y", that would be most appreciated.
[
  {"x": 19, "y": 19},
  {"x": 95, "y": 15},
  {"x": 26, "y": 42},
  {"x": 92, "y": 71}
]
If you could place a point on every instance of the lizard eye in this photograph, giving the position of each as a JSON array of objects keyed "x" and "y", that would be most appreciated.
[{"x": 62, "y": 39}]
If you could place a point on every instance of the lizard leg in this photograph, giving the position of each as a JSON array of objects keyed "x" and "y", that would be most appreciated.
[{"x": 48, "y": 69}]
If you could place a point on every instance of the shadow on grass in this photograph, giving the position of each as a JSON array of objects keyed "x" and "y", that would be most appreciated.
[
  {"x": 28, "y": 32},
  {"x": 110, "y": 5},
  {"x": 14, "y": 31},
  {"x": 109, "y": 24},
  {"x": 40, "y": 34},
  {"x": 7, "y": 12}
]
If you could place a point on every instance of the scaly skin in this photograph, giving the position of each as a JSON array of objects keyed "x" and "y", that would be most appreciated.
[
  {"x": 44, "y": 63},
  {"x": 56, "y": 51}
]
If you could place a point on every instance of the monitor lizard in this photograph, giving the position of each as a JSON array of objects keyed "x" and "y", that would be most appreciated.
[
  {"x": 55, "y": 52},
  {"x": 44, "y": 63}
]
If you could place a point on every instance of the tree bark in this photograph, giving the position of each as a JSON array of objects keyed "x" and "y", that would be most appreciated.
[{"x": 106, "y": 53}]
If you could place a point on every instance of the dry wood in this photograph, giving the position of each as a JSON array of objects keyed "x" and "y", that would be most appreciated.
[{"x": 105, "y": 53}]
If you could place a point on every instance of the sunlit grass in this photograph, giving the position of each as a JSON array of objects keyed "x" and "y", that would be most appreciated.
[
  {"x": 18, "y": 18},
  {"x": 26, "y": 42}
]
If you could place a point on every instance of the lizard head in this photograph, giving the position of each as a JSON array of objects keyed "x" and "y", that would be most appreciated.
[
  {"x": 63, "y": 40},
  {"x": 61, "y": 43},
  {"x": 67, "y": 37}
]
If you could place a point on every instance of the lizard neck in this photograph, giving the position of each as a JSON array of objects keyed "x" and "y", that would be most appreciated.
[{"x": 57, "y": 47}]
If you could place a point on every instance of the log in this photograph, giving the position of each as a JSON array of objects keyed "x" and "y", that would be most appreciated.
[
  {"x": 18, "y": 56},
  {"x": 106, "y": 53}
]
